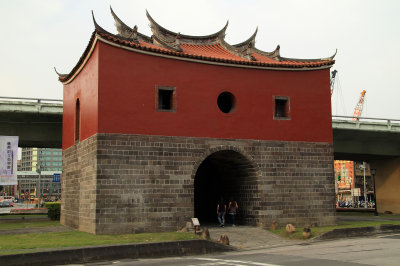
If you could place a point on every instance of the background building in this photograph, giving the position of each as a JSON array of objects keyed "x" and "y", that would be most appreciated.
[
  {"x": 49, "y": 186},
  {"x": 349, "y": 181},
  {"x": 49, "y": 159}
]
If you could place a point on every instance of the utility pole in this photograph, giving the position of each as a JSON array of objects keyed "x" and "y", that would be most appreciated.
[
  {"x": 39, "y": 171},
  {"x": 365, "y": 188},
  {"x": 373, "y": 172}
]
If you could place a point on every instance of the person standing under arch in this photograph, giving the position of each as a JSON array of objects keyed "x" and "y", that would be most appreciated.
[
  {"x": 232, "y": 210},
  {"x": 221, "y": 210}
]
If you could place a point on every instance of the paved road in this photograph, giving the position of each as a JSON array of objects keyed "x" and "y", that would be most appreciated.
[
  {"x": 377, "y": 250},
  {"x": 16, "y": 206}
]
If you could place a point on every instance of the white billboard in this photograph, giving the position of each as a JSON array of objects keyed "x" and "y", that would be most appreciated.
[{"x": 8, "y": 160}]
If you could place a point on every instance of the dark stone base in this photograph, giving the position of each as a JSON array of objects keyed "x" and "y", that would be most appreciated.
[{"x": 133, "y": 183}]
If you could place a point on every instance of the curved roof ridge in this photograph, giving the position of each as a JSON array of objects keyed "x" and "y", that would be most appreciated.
[
  {"x": 211, "y": 49},
  {"x": 100, "y": 30},
  {"x": 174, "y": 46},
  {"x": 251, "y": 41},
  {"x": 127, "y": 32},
  {"x": 243, "y": 52},
  {"x": 97, "y": 26},
  {"x": 59, "y": 74},
  {"x": 331, "y": 58},
  {"x": 168, "y": 36},
  {"x": 275, "y": 54}
]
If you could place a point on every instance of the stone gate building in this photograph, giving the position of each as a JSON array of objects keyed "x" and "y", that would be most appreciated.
[{"x": 156, "y": 128}]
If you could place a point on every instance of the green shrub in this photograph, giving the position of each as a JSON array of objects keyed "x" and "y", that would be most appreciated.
[{"x": 53, "y": 210}]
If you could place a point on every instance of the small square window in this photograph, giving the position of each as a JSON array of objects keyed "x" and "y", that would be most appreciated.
[
  {"x": 166, "y": 99},
  {"x": 282, "y": 108}
]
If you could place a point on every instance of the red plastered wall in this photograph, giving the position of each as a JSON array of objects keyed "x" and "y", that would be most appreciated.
[
  {"x": 127, "y": 99},
  {"x": 85, "y": 88}
]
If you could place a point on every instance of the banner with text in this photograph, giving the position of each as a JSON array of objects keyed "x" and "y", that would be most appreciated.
[{"x": 8, "y": 160}]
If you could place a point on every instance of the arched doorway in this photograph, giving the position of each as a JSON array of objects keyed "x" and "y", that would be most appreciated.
[{"x": 228, "y": 174}]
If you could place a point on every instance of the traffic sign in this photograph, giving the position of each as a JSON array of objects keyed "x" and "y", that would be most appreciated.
[{"x": 56, "y": 177}]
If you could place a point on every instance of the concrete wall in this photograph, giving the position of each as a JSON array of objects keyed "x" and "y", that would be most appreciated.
[
  {"x": 136, "y": 183},
  {"x": 387, "y": 184}
]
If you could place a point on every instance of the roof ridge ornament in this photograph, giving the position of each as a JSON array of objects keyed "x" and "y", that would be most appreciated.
[
  {"x": 127, "y": 32},
  {"x": 326, "y": 59},
  {"x": 333, "y": 56},
  {"x": 162, "y": 43},
  {"x": 59, "y": 74},
  {"x": 250, "y": 42},
  {"x": 277, "y": 52},
  {"x": 169, "y": 36},
  {"x": 211, "y": 48},
  {"x": 122, "y": 28},
  {"x": 97, "y": 26},
  {"x": 134, "y": 34},
  {"x": 274, "y": 55},
  {"x": 222, "y": 32},
  {"x": 177, "y": 41}
]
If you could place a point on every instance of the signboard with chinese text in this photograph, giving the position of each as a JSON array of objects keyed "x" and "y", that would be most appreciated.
[
  {"x": 8, "y": 160},
  {"x": 56, "y": 178},
  {"x": 344, "y": 174},
  {"x": 355, "y": 192}
]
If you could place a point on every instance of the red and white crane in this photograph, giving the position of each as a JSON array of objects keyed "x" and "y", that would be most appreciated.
[{"x": 359, "y": 106}]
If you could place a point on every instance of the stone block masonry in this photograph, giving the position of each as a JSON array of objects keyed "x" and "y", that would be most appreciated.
[{"x": 114, "y": 183}]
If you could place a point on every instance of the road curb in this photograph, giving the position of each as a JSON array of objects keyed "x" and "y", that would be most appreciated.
[
  {"x": 111, "y": 252},
  {"x": 359, "y": 231}
]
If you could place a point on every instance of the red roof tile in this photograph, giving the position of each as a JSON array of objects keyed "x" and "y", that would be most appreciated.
[{"x": 200, "y": 48}]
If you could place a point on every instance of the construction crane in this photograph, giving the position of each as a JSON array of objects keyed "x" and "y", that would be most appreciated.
[
  {"x": 359, "y": 106},
  {"x": 333, "y": 80}
]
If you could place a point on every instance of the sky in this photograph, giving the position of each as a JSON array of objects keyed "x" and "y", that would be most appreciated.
[{"x": 38, "y": 35}]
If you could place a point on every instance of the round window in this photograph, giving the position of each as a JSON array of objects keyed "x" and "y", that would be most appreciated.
[{"x": 226, "y": 102}]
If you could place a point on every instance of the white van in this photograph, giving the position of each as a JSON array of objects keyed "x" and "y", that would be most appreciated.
[{"x": 7, "y": 198}]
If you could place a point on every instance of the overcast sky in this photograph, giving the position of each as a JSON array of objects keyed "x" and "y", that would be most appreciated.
[{"x": 38, "y": 35}]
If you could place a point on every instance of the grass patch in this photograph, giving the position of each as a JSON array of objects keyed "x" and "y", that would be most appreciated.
[
  {"x": 317, "y": 231},
  {"x": 365, "y": 214},
  {"x": 21, "y": 243},
  {"x": 7, "y": 216},
  {"x": 21, "y": 224}
]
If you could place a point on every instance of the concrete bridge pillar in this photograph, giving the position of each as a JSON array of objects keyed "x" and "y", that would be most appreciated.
[{"x": 387, "y": 184}]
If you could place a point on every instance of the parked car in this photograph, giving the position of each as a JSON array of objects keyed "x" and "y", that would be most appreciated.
[
  {"x": 5, "y": 203},
  {"x": 9, "y": 198}
]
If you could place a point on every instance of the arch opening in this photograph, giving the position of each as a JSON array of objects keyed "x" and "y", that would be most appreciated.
[{"x": 231, "y": 175}]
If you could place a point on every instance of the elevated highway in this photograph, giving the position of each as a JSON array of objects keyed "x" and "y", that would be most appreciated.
[
  {"x": 366, "y": 138},
  {"x": 38, "y": 123}
]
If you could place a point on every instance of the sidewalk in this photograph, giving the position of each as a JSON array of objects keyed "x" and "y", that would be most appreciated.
[{"x": 249, "y": 237}]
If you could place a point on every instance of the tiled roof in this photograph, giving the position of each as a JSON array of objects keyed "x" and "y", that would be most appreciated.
[{"x": 208, "y": 49}]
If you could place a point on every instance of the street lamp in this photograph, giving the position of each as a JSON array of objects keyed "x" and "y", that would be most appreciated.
[{"x": 373, "y": 172}]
